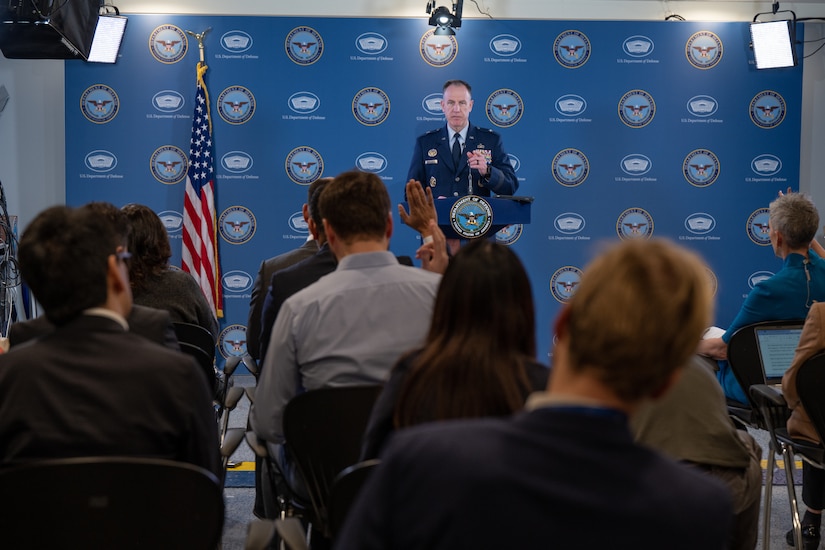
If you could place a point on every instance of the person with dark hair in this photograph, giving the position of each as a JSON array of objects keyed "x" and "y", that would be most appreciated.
[
  {"x": 90, "y": 387},
  {"x": 151, "y": 323},
  {"x": 351, "y": 325},
  {"x": 261, "y": 289},
  {"x": 467, "y": 368},
  {"x": 459, "y": 158},
  {"x": 156, "y": 283},
  {"x": 287, "y": 281},
  {"x": 565, "y": 472},
  {"x": 793, "y": 222}
]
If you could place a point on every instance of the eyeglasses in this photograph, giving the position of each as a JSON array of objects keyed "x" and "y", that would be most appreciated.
[{"x": 123, "y": 255}]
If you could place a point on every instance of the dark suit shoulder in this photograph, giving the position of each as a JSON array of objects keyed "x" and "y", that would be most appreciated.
[
  {"x": 485, "y": 130},
  {"x": 432, "y": 132}
]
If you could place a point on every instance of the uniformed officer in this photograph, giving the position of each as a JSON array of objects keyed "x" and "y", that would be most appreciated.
[{"x": 461, "y": 159}]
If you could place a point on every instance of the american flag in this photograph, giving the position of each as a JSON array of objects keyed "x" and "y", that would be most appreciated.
[{"x": 200, "y": 238}]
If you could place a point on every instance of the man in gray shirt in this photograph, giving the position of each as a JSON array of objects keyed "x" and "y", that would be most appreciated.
[{"x": 350, "y": 326}]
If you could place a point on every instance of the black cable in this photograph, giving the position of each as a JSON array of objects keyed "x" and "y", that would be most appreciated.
[
  {"x": 813, "y": 52},
  {"x": 675, "y": 17}
]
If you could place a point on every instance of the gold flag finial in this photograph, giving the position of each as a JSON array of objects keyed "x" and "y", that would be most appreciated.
[{"x": 199, "y": 38}]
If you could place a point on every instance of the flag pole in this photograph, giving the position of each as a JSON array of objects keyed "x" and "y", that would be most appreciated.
[{"x": 200, "y": 253}]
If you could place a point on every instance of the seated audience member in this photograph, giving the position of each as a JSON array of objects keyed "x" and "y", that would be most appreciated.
[
  {"x": 566, "y": 472},
  {"x": 269, "y": 267},
  {"x": 349, "y": 327},
  {"x": 286, "y": 282},
  {"x": 788, "y": 294},
  {"x": 811, "y": 342},
  {"x": 151, "y": 323},
  {"x": 90, "y": 387},
  {"x": 691, "y": 424},
  {"x": 156, "y": 283},
  {"x": 467, "y": 368}
]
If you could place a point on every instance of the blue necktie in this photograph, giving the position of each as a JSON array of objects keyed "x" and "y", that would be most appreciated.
[{"x": 456, "y": 149}]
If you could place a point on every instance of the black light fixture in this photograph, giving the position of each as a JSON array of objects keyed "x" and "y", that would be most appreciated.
[
  {"x": 774, "y": 42},
  {"x": 60, "y": 29},
  {"x": 443, "y": 20}
]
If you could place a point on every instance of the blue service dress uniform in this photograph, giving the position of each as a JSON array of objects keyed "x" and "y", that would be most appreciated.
[{"x": 432, "y": 164}]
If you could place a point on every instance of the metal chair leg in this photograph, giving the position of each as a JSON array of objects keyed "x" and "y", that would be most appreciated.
[
  {"x": 787, "y": 456},
  {"x": 766, "y": 511}
]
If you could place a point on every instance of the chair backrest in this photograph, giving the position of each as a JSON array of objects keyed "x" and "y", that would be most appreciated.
[
  {"x": 110, "y": 502},
  {"x": 810, "y": 385},
  {"x": 323, "y": 430},
  {"x": 195, "y": 335},
  {"x": 196, "y": 341},
  {"x": 345, "y": 490},
  {"x": 743, "y": 354}
]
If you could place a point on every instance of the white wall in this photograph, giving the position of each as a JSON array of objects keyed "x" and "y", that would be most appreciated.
[{"x": 32, "y": 157}]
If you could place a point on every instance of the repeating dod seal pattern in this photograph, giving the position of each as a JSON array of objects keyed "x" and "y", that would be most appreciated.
[
  {"x": 504, "y": 108},
  {"x": 169, "y": 164},
  {"x": 704, "y": 50},
  {"x": 304, "y": 46},
  {"x": 438, "y": 51},
  {"x": 232, "y": 341},
  {"x": 168, "y": 44},
  {"x": 570, "y": 167},
  {"x": 304, "y": 165},
  {"x": 99, "y": 104},
  {"x": 237, "y": 224},
  {"x": 236, "y": 105},
  {"x": 371, "y": 106},
  {"x": 701, "y": 168},
  {"x": 757, "y": 227},
  {"x": 634, "y": 223},
  {"x": 767, "y": 109},
  {"x": 564, "y": 283},
  {"x": 637, "y": 108},
  {"x": 571, "y": 49}
]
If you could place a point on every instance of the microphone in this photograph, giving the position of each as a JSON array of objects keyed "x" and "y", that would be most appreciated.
[{"x": 469, "y": 181}]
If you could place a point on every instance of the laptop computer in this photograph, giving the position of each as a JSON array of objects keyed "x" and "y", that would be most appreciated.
[{"x": 777, "y": 345}]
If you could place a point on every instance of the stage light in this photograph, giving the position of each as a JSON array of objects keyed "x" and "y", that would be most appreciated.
[
  {"x": 43, "y": 29},
  {"x": 445, "y": 21},
  {"x": 108, "y": 35},
  {"x": 773, "y": 44}
]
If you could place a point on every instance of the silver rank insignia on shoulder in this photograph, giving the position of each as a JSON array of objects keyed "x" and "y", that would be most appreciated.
[
  {"x": 432, "y": 152},
  {"x": 432, "y": 181}
]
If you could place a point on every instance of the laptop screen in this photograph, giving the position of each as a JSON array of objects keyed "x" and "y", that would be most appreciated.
[{"x": 777, "y": 345}]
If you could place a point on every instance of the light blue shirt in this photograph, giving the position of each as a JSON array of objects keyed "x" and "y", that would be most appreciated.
[{"x": 348, "y": 328}]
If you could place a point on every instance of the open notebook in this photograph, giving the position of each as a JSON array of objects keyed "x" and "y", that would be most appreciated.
[{"x": 777, "y": 345}]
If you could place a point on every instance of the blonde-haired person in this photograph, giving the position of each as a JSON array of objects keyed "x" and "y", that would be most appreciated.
[{"x": 566, "y": 471}]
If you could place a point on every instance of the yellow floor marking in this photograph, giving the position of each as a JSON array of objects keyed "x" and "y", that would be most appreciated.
[
  {"x": 245, "y": 467},
  {"x": 780, "y": 464}
]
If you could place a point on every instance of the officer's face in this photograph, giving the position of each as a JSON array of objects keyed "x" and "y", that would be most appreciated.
[{"x": 457, "y": 105}]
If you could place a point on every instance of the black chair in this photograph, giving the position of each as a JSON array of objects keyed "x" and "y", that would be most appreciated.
[
  {"x": 744, "y": 361},
  {"x": 110, "y": 502},
  {"x": 810, "y": 385},
  {"x": 345, "y": 490},
  {"x": 323, "y": 430},
  {"x": 198, "y": 342}
]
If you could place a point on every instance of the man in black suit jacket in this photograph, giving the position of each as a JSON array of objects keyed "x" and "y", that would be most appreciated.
[
  {"x": 565, "y": 473},
  {"x": 273, "y": 265},
  {"x": 91, "y": 387},
  {"x": 153, "y": 324}
]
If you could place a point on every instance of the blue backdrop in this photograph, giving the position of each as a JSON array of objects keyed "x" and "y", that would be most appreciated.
[{"x": 618, "y": 129}]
